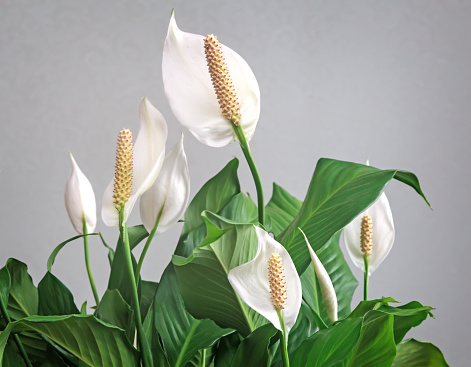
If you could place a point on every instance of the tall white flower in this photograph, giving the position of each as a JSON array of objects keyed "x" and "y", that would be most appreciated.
[
  {"x": 147, "y": 154},
  {"x": 170, "y": 191},
  {"x": 269, "y": 282},
  {"x": 325, "y": 283},
  {"x": 370, "y": 234},
  {"x": 80, "y": 199},
  {"x": 208, "y": 85}
]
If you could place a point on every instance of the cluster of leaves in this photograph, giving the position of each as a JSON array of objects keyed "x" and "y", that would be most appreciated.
[{"x": 193, "y": 317}]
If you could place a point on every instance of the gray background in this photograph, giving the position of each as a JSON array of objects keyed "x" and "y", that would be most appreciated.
[{"x": 384, "y": 80}]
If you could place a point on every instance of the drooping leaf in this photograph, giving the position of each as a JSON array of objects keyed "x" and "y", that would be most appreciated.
[
  {"x": 253, "y": 350},
  {"x": 338, "y": 192},
  {"x": 54, "y": 297},
  {"x": 182, "y": 334},
  {"x": 213, "y": 196},
  {"x": 89, "y": 339},
  {"x": 414, "y": 353}
]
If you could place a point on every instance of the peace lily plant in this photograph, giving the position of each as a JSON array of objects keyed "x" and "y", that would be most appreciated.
[{"x": 249, "y": 284}]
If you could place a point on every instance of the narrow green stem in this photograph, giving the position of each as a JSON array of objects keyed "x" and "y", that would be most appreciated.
[
  {"x": 366, "y": 259},
  {"x": 253, "y": 169},
  {"x": 137, "y": 273},
  {"x": 87, "y": 262},
  {"x": 284, "y": 339},
  {"x": 16, "y": 338},
  {"x": 203, "y": 359},
  {"x": 141, "y": 339}
]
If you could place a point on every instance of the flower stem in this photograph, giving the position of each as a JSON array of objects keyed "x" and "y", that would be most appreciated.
[
  {"x": 142, "y": 341},
  {"x": 253, "y": 169},
  {"x": 16, "y": 338},
  {"x": 87, "y": 262},
  {"x": 284, "y": 339},
  {"x": 365, "y": 279},
  {"x": 137, "y": 273}
]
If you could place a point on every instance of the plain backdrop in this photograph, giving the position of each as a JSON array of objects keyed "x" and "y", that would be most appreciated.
[{"x": 351, "y": 80}]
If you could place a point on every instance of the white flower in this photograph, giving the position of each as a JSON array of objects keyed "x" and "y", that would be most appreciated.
[
  {"x": 148, "y": 157},
  {"x": 80, "y": 199},
  {"x": 171, "y": 188},
  {"x": 325, "y": 283},
  {"x": 383, "y": 235},
  {"x": 190, "y": 92},
  {"x": 251, "y": 283}
]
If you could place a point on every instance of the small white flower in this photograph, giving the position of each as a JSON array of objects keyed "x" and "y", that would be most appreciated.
[
  {"x": 251, "y": 282},
  {"x": 80, "y": 199},
  {"x": 383, "y": 235}
]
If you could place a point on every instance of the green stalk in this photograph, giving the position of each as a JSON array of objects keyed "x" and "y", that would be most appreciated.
[
  {"x": 253, "y": 169},
  {"x": 284, "y": 338},
  {"x": 87, "y": 262},
  {"x": 16, "y": 338},
  {"x": 366, "y": 259},
  {"x": 137, "y": 273},
  {"x": 141, "y": 339}
]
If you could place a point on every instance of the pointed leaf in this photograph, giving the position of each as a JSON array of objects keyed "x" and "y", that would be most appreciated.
[{"x": 54, "y": 297}]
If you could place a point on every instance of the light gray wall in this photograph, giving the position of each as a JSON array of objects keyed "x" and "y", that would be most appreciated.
[{"x": 384, "y": 80}]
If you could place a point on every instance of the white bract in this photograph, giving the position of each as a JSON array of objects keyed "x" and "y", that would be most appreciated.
[
  {"x": 148, "y": 157},
  {"x": 383, "y": 235},
  {"x": 325, "y": 283},
  {"x": 171, "y": 189},
  {"x": 80, "y": 199},
  {"x": 250, "y": 281},
  {"x": 191, "y": 95}
]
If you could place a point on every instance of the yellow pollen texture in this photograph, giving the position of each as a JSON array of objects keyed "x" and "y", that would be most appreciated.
[
  {"x": 276, "y": 279},
  {"x": 366, "y": 235},
  {"x": 123, "y": 169},
  {"x": 221, "y": 79}
]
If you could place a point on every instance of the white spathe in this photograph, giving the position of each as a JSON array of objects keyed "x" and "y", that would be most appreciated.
[
  {"x": 171, "y": 190},
  {"x": 191, "y": 95},
  {"x": 80, "y": 199},
  {"x": 383, "y": 234},
  {"x": 148, "y": 157},
  {"x": 250, "y": 281},
  {"x": 325, "y": 283}
]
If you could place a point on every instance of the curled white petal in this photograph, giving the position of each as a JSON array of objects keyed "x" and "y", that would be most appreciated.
[
  {"x": 250, "y": 281},
  {"x": 80, "y": 199},
  {"x": 383, "y": 234},
  {"x": 148, "y": 157},
  {"x": 325, "y": 283},
  {"x": 190, "y": 92},
  {"x": 172, "y": 188}
]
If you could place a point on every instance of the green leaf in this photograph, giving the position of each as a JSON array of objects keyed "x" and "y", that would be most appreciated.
[
  {"x": 5, "y": 284},
  {"x": 226, "y": 350},
  {"x": 158, "y": 355},
  {"x": 213, "y": 196},
  {"x": 338, "y": 192},
  {"x": 54, "y": 297},
  {"x": 148, "y": 291},
  {"x": 55, "y": 252},
  {"x": 114, "y": 310},
  {"x": 23, "y": 299},
  {"x": 12, "y": 358},
  {"x": 87, "y": 338},
  {"x": 414, "y": 353},
  {"x": 372, "y": 304},
  {"x": 406, "y": 317},
  {"x": 203, "y": 277},
  {"x": 328, "y": 347},
  {"x": 182, "y": 335},
  {"x": 118, "y": 277},
  {"x": 281, "y": 209},
  {"x": 253, "y": 350},
  {"x": 376, "y": 347}
]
